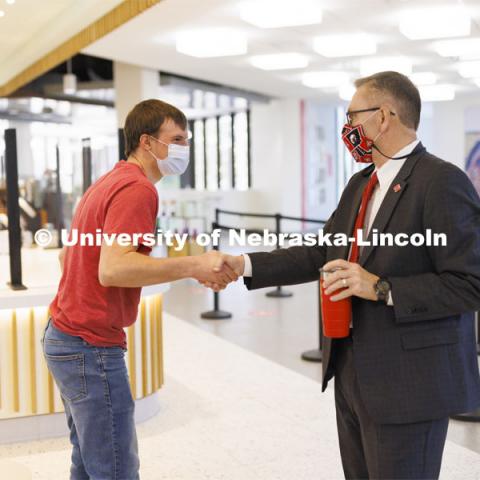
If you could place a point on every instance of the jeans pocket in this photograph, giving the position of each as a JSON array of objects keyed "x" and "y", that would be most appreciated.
[
  {"x": 42, "y": 340},
  {"x": 69, "y": 374}
]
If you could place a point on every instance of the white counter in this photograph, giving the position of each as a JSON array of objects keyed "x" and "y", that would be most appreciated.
[
  {"x": 41, "y": 274},
  {"x": 26, "y": 387}
]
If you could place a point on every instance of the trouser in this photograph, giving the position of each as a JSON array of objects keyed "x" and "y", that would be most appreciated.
[
  {"x": 374, "y": 451},
  {"x": 93, "y": 382}
]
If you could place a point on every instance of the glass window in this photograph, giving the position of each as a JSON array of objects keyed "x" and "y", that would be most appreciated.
[
  {"x": 211, "y": 138},
  {"x": 225, "y": 152},
  {"x": 199, "y": 155},
  {"x": 241, "y": 151}
]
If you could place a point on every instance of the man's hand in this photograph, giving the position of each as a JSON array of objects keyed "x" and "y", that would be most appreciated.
[
  {"x": 231, "y": 263},
  {"x": 351, "y": 277},
  {"x": 215, "y": 271}
]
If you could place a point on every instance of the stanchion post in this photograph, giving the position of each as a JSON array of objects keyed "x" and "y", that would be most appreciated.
[
  {"x": 315, "y": 355},
  {"x": 121, "y": 145},
  {"x": 216, "y": 313},
  {"x": 475, "y": 415},
  {"x": 13, "y": 210},
  {"x": 86, "y": 163},
  {"x": 278, "y": 292},
  {"x": 478, "y": 332},
  {"x": 59, "y": 201}
]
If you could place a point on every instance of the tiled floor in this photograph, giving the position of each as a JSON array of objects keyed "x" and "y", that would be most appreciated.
[
  {"x": 229, "y": 414},
  {"x": 277, "y": 329}
]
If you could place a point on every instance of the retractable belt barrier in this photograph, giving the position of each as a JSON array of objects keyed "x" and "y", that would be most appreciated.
[{"x": 216, "y": 313}]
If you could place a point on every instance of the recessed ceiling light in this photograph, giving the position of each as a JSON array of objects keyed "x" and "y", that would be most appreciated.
[
  {"x": 437, "y": 22},
  {"x": 279, "y": 61},
  {"x": 348, "y": 45},
  {"x": 369, "y": 66},
  {"x": 437, "y": 93},
  {"x": 2, "y": 13},
  {"x": 423, "y": 78},
  {"x": 10, "y": 2},
  {"x": 469, "y": 69},
  {"x": 346, "y": 92},
  {"x": 324, "y": 79},
  {"x": 463, "y": 48},
  {"x": 214, "y": 42},
  {"x": 477, "y": 82},
  {"x": 284, "y": 13}
]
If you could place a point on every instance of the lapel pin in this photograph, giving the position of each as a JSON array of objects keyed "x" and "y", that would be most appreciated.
[{"x": 397, "y": 188}]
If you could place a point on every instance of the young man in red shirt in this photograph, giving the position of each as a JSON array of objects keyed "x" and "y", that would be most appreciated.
[{"x": 99, "y": 292}]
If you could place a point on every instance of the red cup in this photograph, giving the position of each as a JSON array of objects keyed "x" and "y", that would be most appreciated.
[{"x": 336, "y": 316}]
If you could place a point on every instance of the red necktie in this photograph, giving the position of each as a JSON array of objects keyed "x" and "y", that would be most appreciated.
[{"x": 366, "y": 196}]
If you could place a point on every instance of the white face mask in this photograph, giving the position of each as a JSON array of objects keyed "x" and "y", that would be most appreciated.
[{"x": 177, "y": 159}]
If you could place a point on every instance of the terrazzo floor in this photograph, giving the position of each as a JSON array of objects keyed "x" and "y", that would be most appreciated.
[{"x": 230, "y": 414}]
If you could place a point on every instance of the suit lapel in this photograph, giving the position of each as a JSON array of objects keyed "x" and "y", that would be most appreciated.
[{"x": 392, "y": 197}]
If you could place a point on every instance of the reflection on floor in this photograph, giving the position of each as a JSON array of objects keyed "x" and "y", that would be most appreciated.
[
  {"x": 277, "y": 329},
  {"x": 229, "y": 414}
]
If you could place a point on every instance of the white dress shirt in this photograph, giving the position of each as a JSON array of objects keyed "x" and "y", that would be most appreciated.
[{"x": 386, "y": 174}]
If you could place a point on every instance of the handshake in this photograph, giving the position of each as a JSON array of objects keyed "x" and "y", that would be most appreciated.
[{"x": 216, "y": 270}]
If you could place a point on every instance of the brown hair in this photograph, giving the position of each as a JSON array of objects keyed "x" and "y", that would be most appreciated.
[
  {"x": 148, "y": 117},
  {"x": 402, "y": 90}
]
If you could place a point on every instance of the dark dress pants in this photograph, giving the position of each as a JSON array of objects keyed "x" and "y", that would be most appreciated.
[{"x": 374, "y": 451}]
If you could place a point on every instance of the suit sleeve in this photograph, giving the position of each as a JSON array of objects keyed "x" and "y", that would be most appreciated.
[
  {"x": 287, "y": 266},
  {"x": 452, "y": 206}
]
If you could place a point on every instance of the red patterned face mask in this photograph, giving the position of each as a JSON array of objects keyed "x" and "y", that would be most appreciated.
[{"x": 357, "y": 143}]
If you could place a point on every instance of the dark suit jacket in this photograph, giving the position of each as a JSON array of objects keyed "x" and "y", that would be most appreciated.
[{"x": 416, "y": 360}]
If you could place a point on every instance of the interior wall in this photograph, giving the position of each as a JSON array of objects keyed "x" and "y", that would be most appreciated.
[{"x": 444, "y": 126}]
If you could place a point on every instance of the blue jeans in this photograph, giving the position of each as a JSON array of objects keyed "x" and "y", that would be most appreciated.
[{"x": 95, "y": 389}]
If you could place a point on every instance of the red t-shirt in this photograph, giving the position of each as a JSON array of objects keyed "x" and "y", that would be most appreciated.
[{"x": 122, "y": 201}]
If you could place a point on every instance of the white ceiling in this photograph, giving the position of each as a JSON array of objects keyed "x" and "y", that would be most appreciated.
[
  {"x": 32, "y": 28},
  {"x": 149, "y": 40}
]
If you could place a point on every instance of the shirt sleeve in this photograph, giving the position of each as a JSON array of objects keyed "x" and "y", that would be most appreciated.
[
  {"x": 247, "y": 271},
  {"x": 390, "y": 299},
  {"x": 132, "y": 211}
]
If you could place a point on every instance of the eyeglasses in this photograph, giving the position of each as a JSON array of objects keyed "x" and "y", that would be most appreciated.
[{"x": 350, "y": 113}]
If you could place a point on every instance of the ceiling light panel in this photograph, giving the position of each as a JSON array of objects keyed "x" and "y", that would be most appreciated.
[
  {"x": 437, "y": 93},
  {"x": 369, "y": 66},
  {"x": 469, "y": 69},
  {"x": 462, "y": 48},
  {"x": 324, "y": 79},
  {"x": 284, "y": 13},
  {"x": 437, "y": 22},
  {"x": 279, "y": 61},
  {"x": 213, "y": 42},
  {"x": 423, "y": 78},
  {"x": 348, "y": 45}
]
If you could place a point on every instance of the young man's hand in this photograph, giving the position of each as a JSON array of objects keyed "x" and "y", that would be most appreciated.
[
  {"x": 216, "y": 270},
  {"x": 231, "y": 265}
]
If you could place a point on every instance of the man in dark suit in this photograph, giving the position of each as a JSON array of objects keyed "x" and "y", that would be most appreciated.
[{"x": 410, "y": 360}]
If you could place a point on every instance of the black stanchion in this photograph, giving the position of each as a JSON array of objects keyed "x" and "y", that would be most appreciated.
[
  {"x": 310, "y": 355},
  {"x": 216, "y": 313},
  {"x": 475, "y": 415},
  {"x": 315, "y": 355},
  {"x": 86, "y": 163},
  {"x": 478, "y": 333},
  {"x": 13, "y": 210},
  {"x": 278, "y": 292},
  {"x": 121, "y": 145},
  {"x": 59, "y": 202}
]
